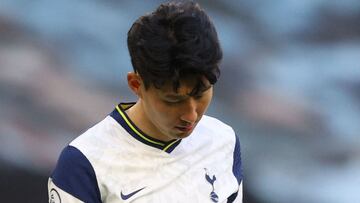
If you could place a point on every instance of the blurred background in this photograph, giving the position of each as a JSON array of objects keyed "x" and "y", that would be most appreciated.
[{"x": 290, "y": 87}]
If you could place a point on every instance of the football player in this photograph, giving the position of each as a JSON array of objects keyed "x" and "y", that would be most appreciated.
[{"x": 161, "y": 148}]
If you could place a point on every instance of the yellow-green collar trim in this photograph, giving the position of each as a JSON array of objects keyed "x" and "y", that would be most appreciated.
[{"x": 121, "y": 117}]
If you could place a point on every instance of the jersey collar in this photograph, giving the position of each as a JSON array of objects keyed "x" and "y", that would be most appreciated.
[{"x": 122, "y": 118}]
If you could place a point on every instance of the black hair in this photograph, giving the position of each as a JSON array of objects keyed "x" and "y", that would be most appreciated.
[{"x": 177, "y": 40}]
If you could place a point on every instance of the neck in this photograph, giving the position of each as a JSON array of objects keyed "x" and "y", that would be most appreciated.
[{"x": 138, "y": 116}]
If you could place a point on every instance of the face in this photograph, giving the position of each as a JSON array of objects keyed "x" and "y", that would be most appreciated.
[{"x": 174, "y": 115}]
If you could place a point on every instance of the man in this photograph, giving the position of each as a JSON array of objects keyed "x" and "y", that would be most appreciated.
[{"x": 161, "y": 148}]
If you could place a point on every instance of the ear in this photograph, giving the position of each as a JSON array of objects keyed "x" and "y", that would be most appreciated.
[{"x": 134, "y": 83}]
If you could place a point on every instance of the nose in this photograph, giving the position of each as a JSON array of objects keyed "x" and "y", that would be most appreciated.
[{"x": 189, "y": 113}]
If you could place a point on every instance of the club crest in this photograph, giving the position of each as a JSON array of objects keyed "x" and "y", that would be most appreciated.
[{"x": 213, "y": 196}]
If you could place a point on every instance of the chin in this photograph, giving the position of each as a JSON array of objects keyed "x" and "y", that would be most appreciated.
[{"x": 182, "y": 135}]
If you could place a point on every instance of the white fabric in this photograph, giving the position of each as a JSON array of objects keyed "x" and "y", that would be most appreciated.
[{"x": 123, "y": 164}]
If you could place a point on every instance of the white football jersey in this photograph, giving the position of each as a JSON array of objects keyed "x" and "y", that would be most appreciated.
[{"x": 114, "y": 161}]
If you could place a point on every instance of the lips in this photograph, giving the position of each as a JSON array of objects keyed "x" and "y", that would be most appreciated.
[{"x": 185, "y": 128}]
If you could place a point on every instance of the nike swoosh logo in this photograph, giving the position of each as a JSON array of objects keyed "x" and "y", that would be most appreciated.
[{"x": 125, "y": 197}]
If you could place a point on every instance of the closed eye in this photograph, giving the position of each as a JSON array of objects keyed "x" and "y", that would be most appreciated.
[
  {"x": 172, "y": 101},
  {"x": 198, "y": 96}
]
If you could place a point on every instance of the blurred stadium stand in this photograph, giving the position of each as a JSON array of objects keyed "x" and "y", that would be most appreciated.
[{"x": 290, "y": 87}]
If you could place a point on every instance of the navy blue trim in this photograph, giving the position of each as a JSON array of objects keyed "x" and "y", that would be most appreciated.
[
  {"x": 232, "y": 197},
  {"x": 171, "y": 148},
  {"x": 237, "y": 166},
  {"x": 116, "y": 115},
  {"x": 75, "y": 175}
]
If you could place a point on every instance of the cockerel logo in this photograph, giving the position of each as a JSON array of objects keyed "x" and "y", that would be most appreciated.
[{"x": 213, "y": 196}]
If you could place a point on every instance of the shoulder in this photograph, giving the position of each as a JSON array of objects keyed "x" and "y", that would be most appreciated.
[
  {"x": 75, "y": 175},
  {"x": 98, "y": 137},
  {"x": 214, "y": 122},
  {"x": 225, "y": 133},
  {"x": 71, "y": 158},
  {"x": 77, "y": 169},
  {"x": 216, "y": 126},
  {"x": 213, "y": 132}
]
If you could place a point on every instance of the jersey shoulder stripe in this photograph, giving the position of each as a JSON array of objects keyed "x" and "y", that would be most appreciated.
[
  {"x": 237, "y": 166},
  {"x": 75, "y": 175}
]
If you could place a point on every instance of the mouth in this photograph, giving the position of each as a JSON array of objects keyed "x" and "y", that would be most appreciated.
[{"x": 185, "y": 128}]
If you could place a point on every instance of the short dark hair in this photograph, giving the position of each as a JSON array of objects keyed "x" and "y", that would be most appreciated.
[{"x": 177, "y": 40}]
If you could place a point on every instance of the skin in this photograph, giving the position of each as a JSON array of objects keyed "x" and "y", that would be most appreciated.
[{"x": 165, "y": 114}]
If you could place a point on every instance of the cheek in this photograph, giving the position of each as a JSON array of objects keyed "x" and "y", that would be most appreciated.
[
  {"x": 163, "y": 114},
  {"x": 204, "y": 104},
  {"x": 202, "y": 108}
]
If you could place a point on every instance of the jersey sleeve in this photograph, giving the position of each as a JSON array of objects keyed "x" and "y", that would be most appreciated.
[
  {"x": 74, "y": 179},
  {"x": 238, "y": 173},
  {"x": 236, "y": 197}
]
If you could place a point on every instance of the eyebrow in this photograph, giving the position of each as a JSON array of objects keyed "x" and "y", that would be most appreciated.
[
  {"x": 175, "y": 97},
  {"x": 178, "y": 96}
]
